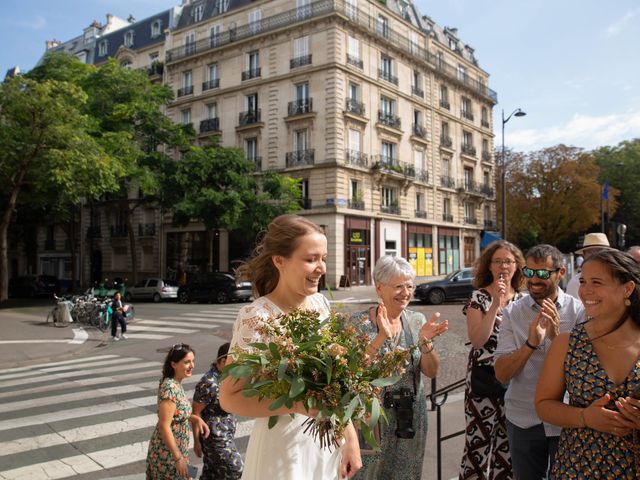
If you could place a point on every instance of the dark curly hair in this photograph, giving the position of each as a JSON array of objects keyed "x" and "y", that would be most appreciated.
[
  {"x": 482, "y": 271},
  {"x": 624, "y": 268},
  {"x": 177, "y": 353}
]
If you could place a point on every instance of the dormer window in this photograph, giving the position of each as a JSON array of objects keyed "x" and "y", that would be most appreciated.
[
  {"x": 127, "y": 64},
  {"x": 156, "y": 28},
  {"x": 128, "y": 39},
  {"x": 102, "y": 48},
  {"x": 453, "y": 43},
  {"x": 198, "y": 12}
]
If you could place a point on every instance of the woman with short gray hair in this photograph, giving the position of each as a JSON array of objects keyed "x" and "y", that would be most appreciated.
[{"x": 391, "y": 326}]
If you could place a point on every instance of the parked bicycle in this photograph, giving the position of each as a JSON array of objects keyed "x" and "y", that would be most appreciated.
[
  {"x": 85, "y": 309},
  {"x": 60, "y": 314}
]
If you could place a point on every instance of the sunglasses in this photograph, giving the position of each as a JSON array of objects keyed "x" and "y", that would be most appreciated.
[
  {"x": 180, "y": 346},
  {"x": 542, "y": 273}
]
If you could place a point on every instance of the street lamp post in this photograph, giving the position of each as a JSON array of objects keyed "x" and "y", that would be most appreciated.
[{"x": 503, "y": 167}]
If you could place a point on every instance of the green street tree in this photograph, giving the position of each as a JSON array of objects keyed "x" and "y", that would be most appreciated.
[
  {"x": 215, "y": 185},
  {"x": 126, "y": 108},
  {"x": 620, "y": 166},
  {"x": 553, "y": 196},
  {"x": 45, "y": 147}
]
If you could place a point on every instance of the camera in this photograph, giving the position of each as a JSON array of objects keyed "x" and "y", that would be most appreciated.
[{"x": 401, "y": 401}]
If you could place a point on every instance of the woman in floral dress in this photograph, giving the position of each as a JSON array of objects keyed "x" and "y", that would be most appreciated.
[
  {"x": 598, "y": 365},
  {"x": 497, "y": 279},
  {"x": 168, "y": 456}
]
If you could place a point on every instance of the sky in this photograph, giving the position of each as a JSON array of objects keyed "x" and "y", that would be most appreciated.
[{"x": 571, "y": 65}]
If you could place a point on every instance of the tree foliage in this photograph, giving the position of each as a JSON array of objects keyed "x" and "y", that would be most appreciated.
[
  {"x": 553, "y": 196},
  {"x": 620, "y": 167}
]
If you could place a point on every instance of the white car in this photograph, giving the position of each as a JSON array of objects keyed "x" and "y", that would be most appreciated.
[{"x": 155, "y": 289}]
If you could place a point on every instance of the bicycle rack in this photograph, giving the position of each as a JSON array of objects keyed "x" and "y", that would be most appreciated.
[{"x": 437, "y": 406}]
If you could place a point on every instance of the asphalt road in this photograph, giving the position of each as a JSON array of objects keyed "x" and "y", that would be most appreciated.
[{"x": 86, "y": 410}]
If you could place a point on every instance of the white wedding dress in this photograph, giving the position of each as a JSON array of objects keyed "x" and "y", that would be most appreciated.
[{"x": 284, "y": 452}]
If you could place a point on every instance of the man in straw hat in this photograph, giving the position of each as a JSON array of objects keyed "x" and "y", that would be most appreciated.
[{"x": 593, "y": 243}]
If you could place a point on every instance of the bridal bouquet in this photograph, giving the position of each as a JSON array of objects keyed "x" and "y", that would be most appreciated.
[{"x": 323, "y": 364}]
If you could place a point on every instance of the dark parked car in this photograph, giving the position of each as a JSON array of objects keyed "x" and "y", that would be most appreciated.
[
  {"x": 219, "y": 287},
  {"x": 456, "y": 286},
  {"x": 33, "y": 286}
]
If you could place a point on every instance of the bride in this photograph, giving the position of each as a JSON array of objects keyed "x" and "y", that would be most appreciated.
[{"x": 285, "y": 272}]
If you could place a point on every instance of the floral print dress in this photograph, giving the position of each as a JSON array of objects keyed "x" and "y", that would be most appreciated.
[
  {"x": 585, "y": 453},
  {"x": 160, "y": 463}
]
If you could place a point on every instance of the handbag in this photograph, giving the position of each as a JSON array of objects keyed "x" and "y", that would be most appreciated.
[{"x": 484, "y": 382}]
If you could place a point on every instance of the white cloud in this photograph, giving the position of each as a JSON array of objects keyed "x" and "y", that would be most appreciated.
[
  {"x": 620, "y": 24},
  {"x": 583, "y": 131},
  {"x": 36, "y": 24}
]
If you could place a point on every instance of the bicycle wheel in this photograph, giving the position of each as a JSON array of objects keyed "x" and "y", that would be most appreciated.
[{"x": 105, "y": 320}]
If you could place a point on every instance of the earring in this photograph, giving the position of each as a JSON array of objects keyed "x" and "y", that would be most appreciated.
[{"x": 627, "y": 302}]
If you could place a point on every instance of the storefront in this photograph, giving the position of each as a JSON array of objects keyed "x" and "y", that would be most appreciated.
[
  {"x": 420, "y": 249},
  {"x": 448, "y": 250},
  {"x": 358, "y": 251}
]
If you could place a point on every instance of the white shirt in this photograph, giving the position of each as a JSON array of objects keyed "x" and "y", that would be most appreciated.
[
  {"x": 573, "y": 284},
  {"x": 514, "y": 331}
]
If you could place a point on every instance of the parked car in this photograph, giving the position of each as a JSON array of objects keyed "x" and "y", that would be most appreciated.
[
  {"x": 156, "y": 289},
  {"x": 219, "y": 287},
  {"x": 33, "y": 286},
  {"x": 456, "y": 286}
]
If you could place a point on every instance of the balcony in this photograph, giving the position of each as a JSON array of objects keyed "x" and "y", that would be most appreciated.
[
  {"x": 468, "y": 149},
  {"x": 490, "y": 225},
  {"x": 470, "y": 186},
  {"x": 210, "y": 84},
  {"x": 300, "y": 107},
  {"x": 393, "y": 209},
  {"x": 484, "y": 123},
  {"x": 417, "y": 91},
  {"x": 389, "y": 119},
  {"x": 447, "y": 181},
  {"x": 419, "y": 130},
  {"x": 445, "y": 141},
  {"x": 249, "y": 117},
  {"x": 447, "y": 217},
  {"x": 305, "y": 203},
  {"x": 385, "y": 75},
  {"x": 422, "y": 175},
  {"x": 300, "y": 61},
  {"x": 156, "y": 68},
  {"x": 471, "y": 220},
  {"x": 94, "y": 231},
  {"x": 210, "y": 125},
  {"x": 300, "y": 158},
  {"x": 356, "y": 204},
  {"x": 357, "y": 158},
  {"x": 445, "y": 104},
  {"x": 344, "y": 11},
  {"x": 146, "y": 229},
  {"x": 487, "y": 190},
  {"x": 251, "y": 73},
  {"x": 466, "y": 114},
  {"x": 486, "y": 156},
  {"x": 387, "y": 163},
  {"x": 188, "y": 90},
  {"x": 119, "y": 231},
  {"x": 421, "y": 214},
  {"x": 257, "y": 162},
  {"x": 355, "y": 61},
  {"x": 354, "y": 106}
]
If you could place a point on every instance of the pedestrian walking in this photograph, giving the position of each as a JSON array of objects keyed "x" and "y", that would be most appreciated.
[{"x": 118, "y": 318}]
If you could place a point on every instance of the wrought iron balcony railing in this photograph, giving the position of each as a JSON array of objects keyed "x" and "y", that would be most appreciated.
[
  {"x": 301, "y": 106},
  {"x": 257, "y": 162},
  {"x": 471, "y": 220},
  {"x": 386, "y": 75},
  {"x": 356, "y": 204},
  {"x": 210, "y": 84},
  {"x": 468, "y": 149},
  {"x": 393, "y": 209},
  {"x": 484, "y": 123},
  {"x": 445, "y": 104},
  {"x": 249, "y": 117},
  {"x": 417, "y": 91},
  {"x": 355, "y": 61},
  {"x": 354, "y": 106},
  {"x": 421, "y": 214},
  {"x": 251, "y": 73},
  {"x": 210, "y": 125},
  {"x": 422, "y": 175},
  {"x": 305, "y": 203},
  {"x": 445, "y": 141},
  {"x": 466, "y": 114},
  {"x": 355, "y": 157},
  {"x": 447, "y": 217},
  {"x": 447, "y": 181},
  {"x": 486, "y": 156},
  {"x": 489, "y": 224},
  {"x": 389, "y": 119},
  {"x": 300, "y": 157},
  {"x": 419, "y": 130},
  {"x": 187, "y": 90},
  {"x": 300, "y": 61},
  {"x": 487, "y": 190}
]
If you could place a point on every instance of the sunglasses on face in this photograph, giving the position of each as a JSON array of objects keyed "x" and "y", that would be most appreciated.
[{"x": 542, "y": 273}]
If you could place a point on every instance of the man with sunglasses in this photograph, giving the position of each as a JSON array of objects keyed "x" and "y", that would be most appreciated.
[{"x": 529, "y": 324}]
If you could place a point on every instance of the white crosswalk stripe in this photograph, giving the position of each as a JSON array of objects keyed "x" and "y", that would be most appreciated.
[
  {"x": 80, "y": 416},
  {"x": 167, "y": 326}
]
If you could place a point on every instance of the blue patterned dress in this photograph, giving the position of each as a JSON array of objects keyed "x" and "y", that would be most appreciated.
[
  {"x": 585, "y": 453},
  {"x": 222, "y": 461}
]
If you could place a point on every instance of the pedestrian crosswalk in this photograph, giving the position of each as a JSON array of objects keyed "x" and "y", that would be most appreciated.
[
  {"x": 163, "y": 327},
  {"x": 80, "y": 416}
]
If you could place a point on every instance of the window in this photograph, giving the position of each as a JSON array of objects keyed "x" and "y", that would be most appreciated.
[
  {"x": 303, "y": 9},
  {"x": 156, "y": 28},
  {"x": 414, "y": 42},
  {"x": 445, "y": 130},
  {"x": 418, "y": 155},
  {"x": 300, "y": 140},
  {"x": 446, "y": 206},
  {"x": 102, "y": 48},
  {"x": 212, "y": 72},
  {"x": 187, "y": 79},
  {"x": 417, "y": 83},
  {"x": 216, "y": 31},
  {"x": 487, "y": 178},
  {"x": 439, "y": 60},
  {"x": 185, "y": 116},
  {"x": 354, "y": 91},
  {"x": 388, "y": 152},
  {"x": 386, "y": 67},
  {"x": 469, "y": 211},
  {"x": 383, "y": 26},
  {"x": 211, "y": 110},
  {"x": 354, "y": 140},
  {"x": 453, "y": 43},
  {"x": 253, "y": 62},
  {"x": 468, "y": 178},
  {"x": 467, "y": 139},
  {"x": 255, "y": 25},
  {"x": 387, "y": 106},
  {"x": 417, "y": 118},
  {"x": 485, "y": 147},
  {"x": 467, "y": 109},
  {"x": 198, "y": 11},
  {"x": 304, "y": 188},
  {"x": 444, "y": 96},
  {"x": 352, "y": 8},
  {"x": 389, "y": 197},
  {"x": 485, "y": 117},
  {"x": 353, "y": 52},
  {"x": 462, "y": 73},
  {"x": 128, "y": 39},
  {"x": 220, "y": 6},
  {"x": 487, "y": 214},
  {"x": 302, "y": 91},
  {"x": 446, "y": 167},
  {"x": 449, "y": 253},
  {"x": 419, "y": 202},
  {"x": 252, "y": 102},
  {"x": 190, "y": 43},
  {"x": 301, "y": 47},
  {"x": 154, "y": 57},
  {"x": 251, "y": 149},
  {"x": 126, "y": 64}
]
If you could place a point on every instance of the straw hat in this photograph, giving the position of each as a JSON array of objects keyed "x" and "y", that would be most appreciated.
[{"x": 594, "y": 240}]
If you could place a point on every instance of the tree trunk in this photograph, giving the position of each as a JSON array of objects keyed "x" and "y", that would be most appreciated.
[
  {"x": 4, "y": 247},
  {"x": 132, "y": 244}
]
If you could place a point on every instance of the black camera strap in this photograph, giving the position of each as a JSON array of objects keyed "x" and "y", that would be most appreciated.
[{"x": 408, "y": 338}]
